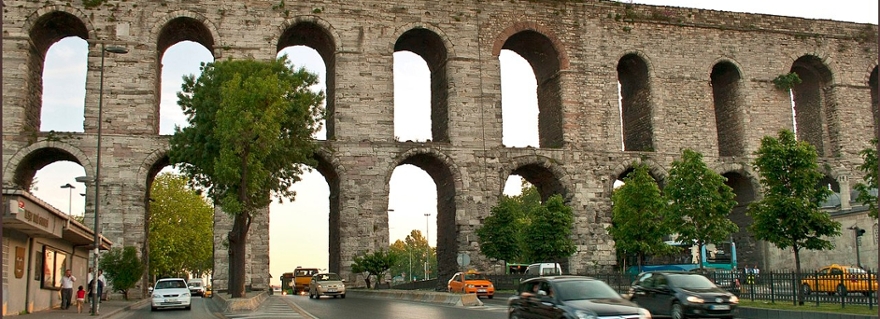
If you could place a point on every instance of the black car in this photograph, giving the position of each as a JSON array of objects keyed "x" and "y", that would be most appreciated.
[
  {"x": 682, "y": 295},
  {"x": 572, "y": 297}
]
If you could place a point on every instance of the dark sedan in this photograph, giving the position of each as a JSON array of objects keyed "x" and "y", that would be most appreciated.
[
  {"x": 573, "y": 297},
  {"x": 682, "y": 295}
]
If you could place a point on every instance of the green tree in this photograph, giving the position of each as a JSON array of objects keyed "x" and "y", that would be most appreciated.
[
  {"x": 181, "y": 229},
  {"x": 500, "y": 234},
  {"x": 412, "y": 254},
  {"x": 789, "y": 215},
  {"x": 869, "y": 167},
  {"x": 251, "y": 126},
  {"x": 637, "y": 220},
  {"x": 698, "y": 202},
  {"x": 374, "y": 264},
  {"x": 548, "y": 235},
  {"x": 123, "y": 268}
]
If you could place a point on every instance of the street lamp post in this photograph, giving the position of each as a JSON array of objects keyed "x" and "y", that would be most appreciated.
[
  {"x": 118, "y": 50},
  {"x": 427, "y": 239},
  {"x": 69, "y": 200}
]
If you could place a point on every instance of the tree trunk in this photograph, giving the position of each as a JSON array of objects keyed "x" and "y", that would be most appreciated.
[
  {"x": 797, "y": 273},
  {"x": 237, "y": 260},
  {"x": 700, "y": 254}
]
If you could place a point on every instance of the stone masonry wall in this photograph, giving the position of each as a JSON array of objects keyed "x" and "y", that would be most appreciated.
[{"x": 680, "y": 46}]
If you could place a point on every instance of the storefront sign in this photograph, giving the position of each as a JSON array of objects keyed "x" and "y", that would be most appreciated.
[{"x": 36, "y": 219}]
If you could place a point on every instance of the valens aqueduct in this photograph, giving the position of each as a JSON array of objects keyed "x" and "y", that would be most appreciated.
[{"x": 688, "y": 78}]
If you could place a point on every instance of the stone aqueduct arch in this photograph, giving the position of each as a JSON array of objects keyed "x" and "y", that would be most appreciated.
[{"x": 683, "y": 89}]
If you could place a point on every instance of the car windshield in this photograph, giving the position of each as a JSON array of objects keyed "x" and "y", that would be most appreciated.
[
  {"x": 690, "y": 281},
  {"x": 305, "y": 272},
  {"x": 327, "y": 277},
  {"x": 195, "y": 284},
  {"x": 857, "y": 271},
  {"x": 170, "y": 284},
  {"x": 475, "y": 276},
  {"x": 585, "y": 289}
]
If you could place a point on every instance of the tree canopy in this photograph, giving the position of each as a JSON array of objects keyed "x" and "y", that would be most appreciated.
[
  {"x": 249, "y": 134},
  {"x": 412, "y": 253},
  {"x": 374, "y": 264},
  {"x": 500, "y": 235},
  {"x": 637, "y": 219},
  {"x": 548, "y": 235},
  {"x": 698, "y": 202},
  {"x": 789, "y": 215},
  {"x": 122, "y": 268},
  {"x": 181, "y": 226}
]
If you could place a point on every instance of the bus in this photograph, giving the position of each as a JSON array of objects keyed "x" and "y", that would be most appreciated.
[
  {"x": 287, "y": 283},
  {"x": 686, "y": 258}
]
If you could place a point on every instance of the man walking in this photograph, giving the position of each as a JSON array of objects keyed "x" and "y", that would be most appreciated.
[{"x": 66, "y": 289}]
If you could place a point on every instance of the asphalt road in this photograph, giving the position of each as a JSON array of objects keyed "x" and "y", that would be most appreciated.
[
  {"x": 201, "y": 309},
  {"x": 369, "y": 308}
]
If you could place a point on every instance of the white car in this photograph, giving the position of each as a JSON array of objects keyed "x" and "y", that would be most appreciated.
[{"x": 170, "y": 293}]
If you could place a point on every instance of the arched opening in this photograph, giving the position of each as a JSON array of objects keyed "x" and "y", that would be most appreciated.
[
  {"x": 411, "y": 223},
  {"x": 442, "y": 229},
  {"x": 64, "y": 91},
  {"x": 63, "y": 102},
  {"x": 51, "y": 180},
  {"x": 301, "y": 231},
  {"x": 519, "y": 116},
  {"x": 181, "y": 61},
  {"x": 811, "y": 104},
  {"x": 305, "y": 57},
  {"x": 409, "y": 98},
  {"x": 546, "y": 184},
  {"x": 636, "y": 110},
  {"x": 311, "y": 35},
  {"x": 543, "y": 57},
  {"x": 748, "y": 249},
  {"x": 729, "y": 115}
]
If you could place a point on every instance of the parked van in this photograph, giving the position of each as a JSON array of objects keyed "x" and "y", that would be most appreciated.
[{"x": 544, "y": 269}]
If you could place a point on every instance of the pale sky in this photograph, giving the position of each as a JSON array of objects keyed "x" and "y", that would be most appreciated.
[{"x": 298, "y": 231}]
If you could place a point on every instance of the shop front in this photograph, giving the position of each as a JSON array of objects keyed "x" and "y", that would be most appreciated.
[{"x": 39, "y": 243}]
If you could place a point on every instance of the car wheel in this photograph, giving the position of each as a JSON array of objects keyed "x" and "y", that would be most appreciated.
[
  {"x": 343, "y": 296},
  {"x": 677, "y": 311},
  {"x": 806, "y": 289},
  {"x": 189, "y": 307},
  {"x": 490, "y": 296},
  {"x": 514, "y": 315},
  {"x": 153, "y": 309},
  {"x": 841, "y": 290}
]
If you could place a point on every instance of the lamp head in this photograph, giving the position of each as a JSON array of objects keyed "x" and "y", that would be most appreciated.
[{"x": 68, "y": 186}]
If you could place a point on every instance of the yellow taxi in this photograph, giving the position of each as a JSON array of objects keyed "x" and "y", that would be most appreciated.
[
  {"x": 472, "y": 282},
  {"x": 839, "y": 279}
]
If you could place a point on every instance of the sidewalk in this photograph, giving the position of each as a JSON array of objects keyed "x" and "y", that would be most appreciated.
[{"x": 108, "y": 309}]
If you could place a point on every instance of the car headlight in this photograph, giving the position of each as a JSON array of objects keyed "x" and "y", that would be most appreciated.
[
  {"x": 584, "y": 314},
  {"x": 734, "y": 299},
  {"x": 470, "y": 286},
  {"x": 491, "y": 286},
  {"x": 320, "y": 287},
  {"x": 185, "y": 294},
  {"x": 157, "y": 296},
  {"x": 644, "y": 313},
  {"x": 694, "y": 299}
]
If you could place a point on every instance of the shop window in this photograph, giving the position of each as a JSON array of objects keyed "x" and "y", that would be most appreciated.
[{"x": 54, "y": 262}]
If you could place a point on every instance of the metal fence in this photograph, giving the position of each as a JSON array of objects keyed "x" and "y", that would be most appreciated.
[{"x": 772, "y": 286}]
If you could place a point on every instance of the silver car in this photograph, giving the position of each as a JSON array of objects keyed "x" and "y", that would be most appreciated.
[{"x": 326, "y": 284}]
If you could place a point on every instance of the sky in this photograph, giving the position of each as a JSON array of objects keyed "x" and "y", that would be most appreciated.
[{"x": 412, "y": 192}]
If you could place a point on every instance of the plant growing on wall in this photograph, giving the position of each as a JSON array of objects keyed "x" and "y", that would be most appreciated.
[{"x": 786, "y": 82}]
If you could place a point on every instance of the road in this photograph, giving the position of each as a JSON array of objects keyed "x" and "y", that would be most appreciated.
[{"x": 328, "y": 308}]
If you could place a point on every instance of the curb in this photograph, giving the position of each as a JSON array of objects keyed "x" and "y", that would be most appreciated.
[
  {"x": 240, "y": 304},
  {"x": 760, "y": 313},
  {"x": 134, "y": 305}
]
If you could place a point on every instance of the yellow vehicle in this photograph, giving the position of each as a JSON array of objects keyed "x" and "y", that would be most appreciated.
[
  {"x": 841, "y": 280},
  {"x": 301, "y": 279},
  {"x": 471, "y": 282}
]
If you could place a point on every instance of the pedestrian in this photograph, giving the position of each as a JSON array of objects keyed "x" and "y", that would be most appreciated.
[
  {"x": 102, "y": 280},
  {"x": 96, "y": 294},
  {"x": 80, "y": 299},
  {"x": 66, "y": 289}
]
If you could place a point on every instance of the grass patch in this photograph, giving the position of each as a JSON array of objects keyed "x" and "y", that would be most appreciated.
[{"x": 825, "y": 307}]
